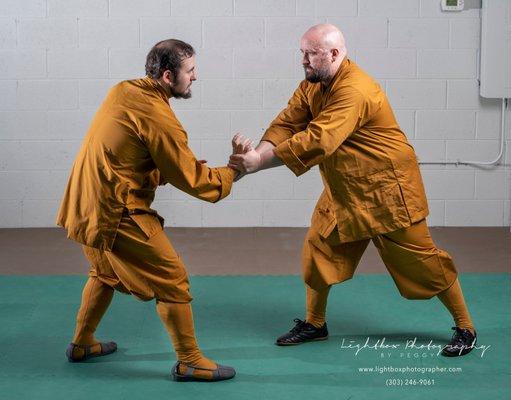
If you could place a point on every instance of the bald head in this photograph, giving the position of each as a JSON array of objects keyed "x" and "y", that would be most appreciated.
[
  {"x": 327, "y": 36},
  {"x": 323, "y": 50}
]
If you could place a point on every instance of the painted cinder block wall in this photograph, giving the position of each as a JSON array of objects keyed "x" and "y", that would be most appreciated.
[{"x": 58, "y": 58}]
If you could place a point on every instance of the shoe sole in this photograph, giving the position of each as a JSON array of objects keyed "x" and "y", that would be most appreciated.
[
  {"x": 72, "y": 360},
  {"x": 302, "y": 342},
  {"x": 180, "y": 378},
  {"x": 176, "y": 376},
  {"x": 93, "y": 355},
  {"x": 457, "y": 353}
]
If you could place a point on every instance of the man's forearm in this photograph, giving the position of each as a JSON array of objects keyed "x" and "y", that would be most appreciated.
[
  {"x": 269, "y": 159},
  {"x": 264, "y": 146}
]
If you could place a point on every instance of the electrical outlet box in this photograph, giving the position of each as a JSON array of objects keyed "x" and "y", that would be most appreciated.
[{"x": 496, "y": 49}]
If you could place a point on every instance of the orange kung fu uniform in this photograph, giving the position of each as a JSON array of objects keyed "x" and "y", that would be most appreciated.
[
  {"x": 373, "y": 187},
  {"x": 134, "y": 143}
]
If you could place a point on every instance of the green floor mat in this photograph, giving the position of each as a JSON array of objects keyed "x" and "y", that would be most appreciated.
[{"x": 237, "y": 320}]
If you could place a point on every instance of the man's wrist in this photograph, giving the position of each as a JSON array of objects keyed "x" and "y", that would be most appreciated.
[
  {"x": 265, "y": 159},
  {"x": 264, "y": 146}
]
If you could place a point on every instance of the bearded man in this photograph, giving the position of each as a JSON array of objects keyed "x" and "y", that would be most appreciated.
[
  {"x": 135, "y": 143},
  {"x": 340, "y": 119}
]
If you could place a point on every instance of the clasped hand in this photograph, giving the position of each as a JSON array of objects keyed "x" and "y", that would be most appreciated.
[{"x": 244, "y": 159}]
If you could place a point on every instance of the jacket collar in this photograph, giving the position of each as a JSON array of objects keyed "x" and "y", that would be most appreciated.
[
  {"x": 156, "y": 87},
  {"x": 340, "y": 73}
]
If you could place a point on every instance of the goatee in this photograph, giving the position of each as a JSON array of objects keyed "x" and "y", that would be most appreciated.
[
  {"x": 181, "y": 95},
  {"x": 315, "y": 76}
]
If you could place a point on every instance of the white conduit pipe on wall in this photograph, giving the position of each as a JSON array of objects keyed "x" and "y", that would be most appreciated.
[{"x": 482, "y": 163}]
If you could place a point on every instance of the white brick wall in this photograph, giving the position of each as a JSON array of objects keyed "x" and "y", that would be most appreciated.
[
  {"x": 180, "y": 212},
  {"x": 464, "y": 33},
  {"x": 447, "y": 124},
  {"x": 396, "y": 8},
  {"x": 89, "y": 8},
  {"x": 131, "y": 8},
  {"x": 436, "y": 213},
  {"x": 381, "y": 63},
  {"x": 417, "y": 94},
  {"x": 419, "y": 33},
  {"x": 7, "y": 33},
  {"x": 152, "y": 30},
  {"x": 26, "y": 8},
  {"x": 47, "y": 95},
  {"x": 369, "y": 32},
  {"x": 463, "y": 93},
  {"x": 233, "y": 32},
  {"x": 277, "y": 92},
  {"x": 47, "y": 32},
  {"x": 215, "y": 63},
  {"x": 23, "y": 64},
  {"x": 454, "y": 64},
  {"x": 265, "y": 8},
  {"x": 264, "y": 63},
  {"x": 285, "y": 32},
  {"x": 335, "y": 7},
  {"x": 125, "y": 63},
  {"x": 232, "y": 94},
  {"x": 109, "y": 32},
  {"x": 206, "y": 124},
  {"x": 59, "y": 57},
  {"x": 92, "y": 91},
  {"x": 201, "y": 8},
  {"x": 77, "y": 63}
]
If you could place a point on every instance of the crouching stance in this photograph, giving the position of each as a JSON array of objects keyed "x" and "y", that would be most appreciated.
[
  {"x": 340, "y": 119},
  {"x": 134, "y": 144}
]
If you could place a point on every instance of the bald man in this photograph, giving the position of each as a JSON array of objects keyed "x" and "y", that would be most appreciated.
[{"x": 340, "y": 119}]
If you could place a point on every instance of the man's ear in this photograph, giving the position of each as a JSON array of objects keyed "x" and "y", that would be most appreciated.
[
  {"x": 335, "y": 53},
  {"x": 168, "y": 77}
]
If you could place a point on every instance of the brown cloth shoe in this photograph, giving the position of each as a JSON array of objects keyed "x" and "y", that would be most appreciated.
[
  {"x": 106, "y": 348},
  {"x": 221, "y": 373}
]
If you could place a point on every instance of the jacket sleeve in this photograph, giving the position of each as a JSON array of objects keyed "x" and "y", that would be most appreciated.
[
  {"x": 168, "y": 146},
  {"x": 341, "y": 115},
  {"x": 294, "y": 118}
]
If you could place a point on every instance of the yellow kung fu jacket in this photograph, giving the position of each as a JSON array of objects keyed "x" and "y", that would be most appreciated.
[
  {"x": 370, "y": 172},
  {"x": 134, "y": 143}
]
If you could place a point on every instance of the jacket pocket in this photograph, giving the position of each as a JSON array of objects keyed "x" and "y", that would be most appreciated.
[
  {"x": 323, "y": 218},
  {"x": 375, "y": 191}
]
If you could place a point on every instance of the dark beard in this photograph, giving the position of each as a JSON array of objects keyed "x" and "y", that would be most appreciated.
[
  {"x": 180, "y": 95},
  {"x": 316, "y": 76}
]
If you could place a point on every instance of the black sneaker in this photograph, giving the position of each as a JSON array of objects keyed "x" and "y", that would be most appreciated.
[
  {"x": 301, "y": 333},
  {"x": 462, "y": 343}
]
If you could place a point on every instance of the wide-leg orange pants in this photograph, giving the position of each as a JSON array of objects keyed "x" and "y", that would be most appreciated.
[
  {"x": 142, "y": 262},
  {"x": 419, "y": 269}
]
